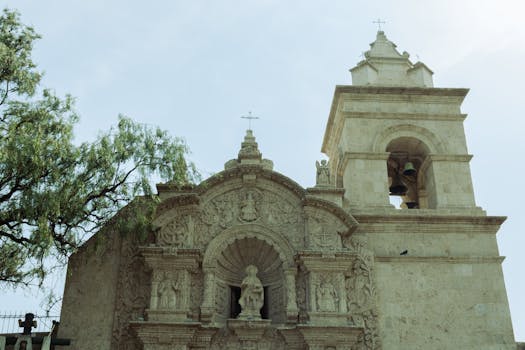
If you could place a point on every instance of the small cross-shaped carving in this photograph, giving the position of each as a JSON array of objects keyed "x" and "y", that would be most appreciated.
[
  {"x": 250, "y": 117},
  {"x": 379, "y": 22}
]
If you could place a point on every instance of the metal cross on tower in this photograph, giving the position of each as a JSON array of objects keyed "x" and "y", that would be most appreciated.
[
  {"x": 379, "y": 22},
  {"x": 250, "y": 117}
]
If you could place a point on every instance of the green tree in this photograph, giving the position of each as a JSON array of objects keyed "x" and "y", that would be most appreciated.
[{"x": 54, "y": 193}]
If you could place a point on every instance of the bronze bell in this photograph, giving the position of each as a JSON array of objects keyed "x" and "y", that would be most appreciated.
[
  {"x": 411, "y": 205},
  {"x": 409, "y": 169},
  {"x": 397, "y": 188}
]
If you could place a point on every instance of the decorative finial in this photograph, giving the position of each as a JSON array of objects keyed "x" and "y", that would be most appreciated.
[
  {"x": 250, "y": 117},
  {"x": 249, "y": 149},
  {"x": 379, "y": 22}
]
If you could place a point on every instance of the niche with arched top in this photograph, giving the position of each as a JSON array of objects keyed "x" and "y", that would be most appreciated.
[
  {"x": 230, "y": 271},
  {"x": 408, "y": 172}
]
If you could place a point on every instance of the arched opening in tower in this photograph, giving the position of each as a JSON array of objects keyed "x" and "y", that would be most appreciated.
[{"x": 408, "y": 180}]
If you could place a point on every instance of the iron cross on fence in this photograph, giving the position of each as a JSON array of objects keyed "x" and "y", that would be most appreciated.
[
  {"x": 32, "y": 339},
  {"x": 250, "y": 117},
  {"x": 379, "y": 22},
  {"x": 28, "y": 323}
]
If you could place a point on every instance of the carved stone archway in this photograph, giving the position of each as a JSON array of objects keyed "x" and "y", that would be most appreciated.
[{"x": 224, "y": 262}]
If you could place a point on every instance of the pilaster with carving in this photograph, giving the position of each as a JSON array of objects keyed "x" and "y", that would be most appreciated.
[
  {"x": 326, "y": 289},
  {"x": 208, "y": 304},
  {"x": 174, "y": 273},
  {"x": 133, "y": 294},
  {"x": 292, "y": 311},
  {"x": 361, "y": 291}
]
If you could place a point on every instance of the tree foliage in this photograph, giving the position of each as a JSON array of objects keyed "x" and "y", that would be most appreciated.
[{"x": 55, "y": 193}]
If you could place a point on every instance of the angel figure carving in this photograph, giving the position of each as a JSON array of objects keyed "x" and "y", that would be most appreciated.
[{"x": 323, "y": 173}]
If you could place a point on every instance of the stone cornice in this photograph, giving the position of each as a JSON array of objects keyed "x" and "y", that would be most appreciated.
[
  {"x": 178, "y": 201},
  {"x": 366, "y": 155},
  {"x": 257, "y": 170},
  {"x": 321, "y": 190},
  {"x": 402, "y": 94},
  {"x": 337, "y": 261},
  {"x": 442, "y": 224},
  {"x": 441, "y": 259},
  {"x": 403, "y": 116},
  {"x": 432, "y": 219},
  {"x": 402, "y": 90},
  {"x": 450, "y": 157},
  {"x": 165, "y": 258}
]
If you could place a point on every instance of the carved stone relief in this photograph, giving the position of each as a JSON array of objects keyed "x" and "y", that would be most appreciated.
[
  {"x": 327, "y": 298},
  {"x": 249, "y": 205},
  {"x": 132, "y": 297},
  {"x": 222, "y": 300},
  {"x": 277, "y": 306},
  {"x": 168, "y": 290},
  {"x": 252, "y": 294},
  {"x": 323, "y": 231},
  {"x": 302, "y": 298},
  {"x": 225, "y": 338},
  {"x": 178, "y": 233},
  {"x": 361, "y": 293},
  {"x": 197, "y": 294},
  {"x": 248, "y": 210},
  {"x": 323, "y": 177}
]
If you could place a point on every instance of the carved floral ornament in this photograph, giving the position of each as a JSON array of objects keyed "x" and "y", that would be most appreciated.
[
  {"x": 323, "y": 231},
  {"x": 227, "y": 237},
  {"x": 177, "y": 232}
]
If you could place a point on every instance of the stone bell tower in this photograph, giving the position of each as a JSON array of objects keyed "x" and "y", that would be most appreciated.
[
  {"x": 393, "y": 117},
  {"x": 438, "y": 269}
]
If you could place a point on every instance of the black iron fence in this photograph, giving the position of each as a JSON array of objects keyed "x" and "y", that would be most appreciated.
[{"x": 9, "y": 322}]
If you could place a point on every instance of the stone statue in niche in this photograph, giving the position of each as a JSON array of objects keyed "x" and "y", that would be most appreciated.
[
  {"x": 252, "y": 294},
  {"x": 326, "y": 297},
  {"x": 323, "y": 173},
  {"x": 248, "y": 210},
  {"x": 168, "y": 290}
]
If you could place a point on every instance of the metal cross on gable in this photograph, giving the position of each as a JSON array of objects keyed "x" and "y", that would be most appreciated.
[
  {"x": 379, "y": 22},
  {"x": 250, "y": 117}
]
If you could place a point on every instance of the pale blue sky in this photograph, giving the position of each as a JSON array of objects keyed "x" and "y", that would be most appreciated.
[{"x": 194, "y": 67}]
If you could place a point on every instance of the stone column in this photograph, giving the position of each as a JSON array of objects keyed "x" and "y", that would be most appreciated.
[
  {"x": 291, "y": 297},
  {"x": 341, "y": 291},
  {"x": 208, "y": 304},
  {"x": 313, "y": 290},
  {"x": 184, "y": 281},
  {"x": 154, "y": 298}
]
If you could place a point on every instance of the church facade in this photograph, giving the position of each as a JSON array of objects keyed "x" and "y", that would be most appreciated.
[{"x": 248, "y": 259}]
